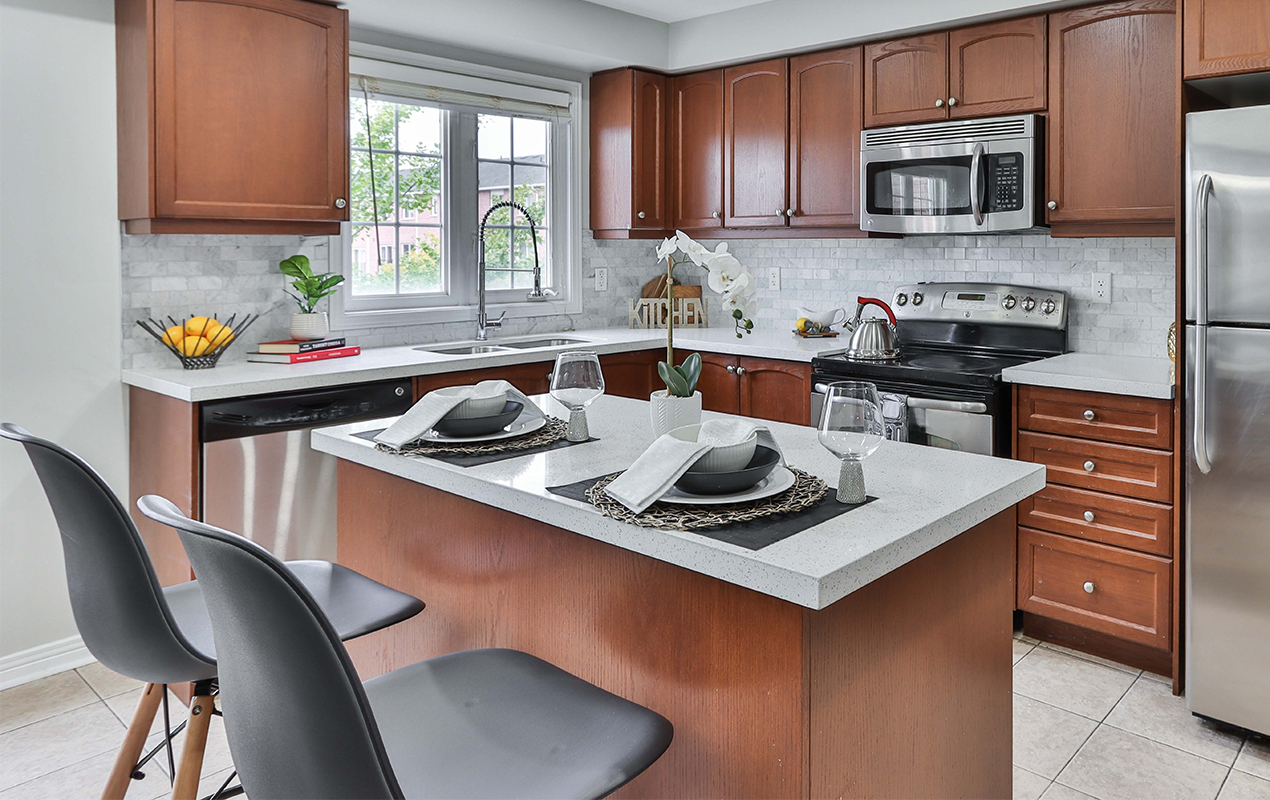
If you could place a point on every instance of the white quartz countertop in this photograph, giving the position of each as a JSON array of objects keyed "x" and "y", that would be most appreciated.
[
  {"x": 243, "y": 379},
  {"x": 926, "y": 496},
  {"x": 1092, "y": 372}
]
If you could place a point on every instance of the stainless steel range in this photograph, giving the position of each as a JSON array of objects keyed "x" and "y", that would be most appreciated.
[{"x": 945, "y": 388}]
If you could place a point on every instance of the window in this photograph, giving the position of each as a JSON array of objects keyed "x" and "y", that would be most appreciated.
[{"x": 429, "y": 158}]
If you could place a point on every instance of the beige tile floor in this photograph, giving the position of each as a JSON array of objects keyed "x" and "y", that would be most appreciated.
[{"x": 1082, "y": 728}]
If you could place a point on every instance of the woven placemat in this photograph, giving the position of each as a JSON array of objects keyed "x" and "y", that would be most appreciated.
[{"x": 554, "y": 431}]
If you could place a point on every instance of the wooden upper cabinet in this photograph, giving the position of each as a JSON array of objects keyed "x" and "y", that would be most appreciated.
[
  {"x": 906, "y": 80},
  {"x": 1225, "y": 37},
  {"x": 695, "y": 144},
  {"x": 1112, "y": 113},
  {"x": 756, "y": 144},
  {"x": 628, "y": 152},
  {"x": 211, "y": 96},
  {"x": 998, "y": 68},
  {"x": 825, "y": 117}
]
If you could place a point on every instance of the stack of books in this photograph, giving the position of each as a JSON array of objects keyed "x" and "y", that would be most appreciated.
[{"x": 297, "y": 351}]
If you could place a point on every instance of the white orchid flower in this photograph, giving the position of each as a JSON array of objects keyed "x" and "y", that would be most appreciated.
[
  {"x": 696, "y": 251},
  {"x": 724, "y": 269},
  {"x": 667, "y": 248}
]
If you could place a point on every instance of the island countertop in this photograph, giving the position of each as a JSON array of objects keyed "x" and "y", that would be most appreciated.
[{"x": 926, "y": 497}]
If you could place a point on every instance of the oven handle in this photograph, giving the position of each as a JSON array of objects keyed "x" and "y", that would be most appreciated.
[
  {"x": 963, "y": 406},
  {"x": 976, "y": 168}
]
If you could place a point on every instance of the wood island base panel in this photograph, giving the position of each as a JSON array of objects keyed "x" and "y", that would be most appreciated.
[{"x": 900, "y": 689}]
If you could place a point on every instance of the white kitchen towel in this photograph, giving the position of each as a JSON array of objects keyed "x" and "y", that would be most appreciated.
[
  {"x": 426, "y": 413},
  {"x": 667, "y": 459}
]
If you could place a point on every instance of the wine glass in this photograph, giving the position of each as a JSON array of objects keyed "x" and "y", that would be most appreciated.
[
  {"x": 575, "y": 383},
  {"x": 851, "y": 427}
]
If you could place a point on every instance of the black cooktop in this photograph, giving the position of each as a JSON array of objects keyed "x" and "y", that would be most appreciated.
[{"x": 927, "y": 365}]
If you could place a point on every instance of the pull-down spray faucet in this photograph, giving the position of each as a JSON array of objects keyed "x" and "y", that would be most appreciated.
[{"x": 538, "y": 294}]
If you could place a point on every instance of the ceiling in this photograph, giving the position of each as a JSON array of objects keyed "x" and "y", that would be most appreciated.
[{"x": 675, "y": 10}]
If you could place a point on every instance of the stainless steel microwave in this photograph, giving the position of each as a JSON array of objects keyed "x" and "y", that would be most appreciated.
[{"x": 964, "y": 176}]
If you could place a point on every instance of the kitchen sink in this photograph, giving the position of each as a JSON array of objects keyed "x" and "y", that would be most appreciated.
[
  {"x": 544, "y": 343},
  {"x": 467, "y": 350}
]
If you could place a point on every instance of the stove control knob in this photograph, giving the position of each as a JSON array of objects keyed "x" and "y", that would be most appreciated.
[
  {"x": 1009, "y": 302},
  {"x": 901, "y": 299},
  {"x": 1049, "y": 306},
  {"x": 1028, "y": 304},
  {"x": 917, "y": 298}
]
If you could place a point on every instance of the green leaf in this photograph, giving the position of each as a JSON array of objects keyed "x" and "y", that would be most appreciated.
[
  {"x": 675, "y": 383},
  {"x": 296, "y": 266},
  {"x": 691, "y": 370},
  {"x": 329, "y": 280}
]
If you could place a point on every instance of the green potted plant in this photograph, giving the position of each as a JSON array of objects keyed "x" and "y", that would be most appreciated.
[{"x": 309, "y": 290}]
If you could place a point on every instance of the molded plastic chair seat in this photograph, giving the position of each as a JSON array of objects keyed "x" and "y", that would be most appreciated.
[{"x": 502, "y": 723}]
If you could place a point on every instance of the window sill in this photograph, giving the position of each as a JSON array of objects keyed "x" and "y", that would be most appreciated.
[{"x": 343, "y": 320}]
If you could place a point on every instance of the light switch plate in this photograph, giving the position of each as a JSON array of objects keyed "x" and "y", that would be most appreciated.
[
  {"x": 601, "y": 279},
  {"x": 1101, "y": 284},
  {"x": 774, "y": 279}
]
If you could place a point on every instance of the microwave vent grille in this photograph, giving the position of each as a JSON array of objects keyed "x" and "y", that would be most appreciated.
[{"x": 943, "y": 132}]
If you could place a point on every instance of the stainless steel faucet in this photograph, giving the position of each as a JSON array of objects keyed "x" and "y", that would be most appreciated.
[{"x": 483, "y": 324}]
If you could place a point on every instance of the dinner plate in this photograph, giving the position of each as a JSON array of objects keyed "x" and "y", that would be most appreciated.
[
  {"x": 480, "y": 426},
  {"x": 765, "y": 460},
  {"x": 527, "y": 423},
  {"x": 778, "y": 481}
]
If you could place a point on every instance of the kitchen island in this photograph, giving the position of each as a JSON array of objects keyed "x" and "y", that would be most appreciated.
[{"x": 867, "y": 656}]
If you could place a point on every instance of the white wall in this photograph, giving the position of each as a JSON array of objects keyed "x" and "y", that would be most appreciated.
[{"x": 59, "y": 286}]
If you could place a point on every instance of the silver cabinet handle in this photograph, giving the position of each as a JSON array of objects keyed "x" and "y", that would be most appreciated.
[
  {"x": 789, "y": 212},
  {"x": 740, "y": 370},
  {"x": 1089, "y": 587},
  {"x": 976, "y": 169},
  {"x": 640, "y": 215},
  {"x": 1052, "y": 205},
  {"x": 963, "y": 406},
  {"x": 939, "y": 103},
  {"x": 1089, "y": 516},
  {"x": 715, "y": 215},
  {"x": 1201, "y": 324},
  {"x": 1089, "y": 414},
  {"x": 952, "y": 101},
  {"x": 731, "y": 369},
  {"x": 340, "y": 203},
  {"x": 1089, "y": 466}
]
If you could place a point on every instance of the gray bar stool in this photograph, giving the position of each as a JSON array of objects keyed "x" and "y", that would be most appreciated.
[
  {"x": 163, "y": 635},
  {"x": 472, "y": 724}
]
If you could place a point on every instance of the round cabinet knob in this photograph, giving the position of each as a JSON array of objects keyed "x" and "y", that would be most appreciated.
[
  {"x": 1089, "y": 414},
  {"x": 1009, "y": 302},
  {"x": 1089, "y": 516},
  {"x": 1048, "y": 306},
  {"x": 1052, "y": 205},
  {"x": 952, "y": 101},
  {"x": 789, "y": 212},
  {"x": 901, "y": 299},
  {"x": 1089, "y": 587},
  {"x": 1029, "y": 303},
  {"x": 640, "y": 215},
  {"x": 918, "y": 297},
  {"x": 399, "y": 391},
  {"x": 1089, "y": 466},
  {"x": 715, "y": 215},
  {"x": 939, "y": 103},
  {"x": 340, "y": 203},
  {"x": 731, "y": 369},
  {"x": 740, "y": 370}
]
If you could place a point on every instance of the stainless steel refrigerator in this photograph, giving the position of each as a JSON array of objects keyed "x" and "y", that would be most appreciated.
[{"x": 1227, "y": 603}]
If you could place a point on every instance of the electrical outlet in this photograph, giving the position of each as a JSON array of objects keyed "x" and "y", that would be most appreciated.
[
  {"x": 601, "y": 279},
  {"x": 1102, "y": 287},
  {"x": 774, "y": 279}
]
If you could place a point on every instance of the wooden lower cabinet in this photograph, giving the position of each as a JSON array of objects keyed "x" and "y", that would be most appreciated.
[
  {"x": 1133, "y": 471},
  {"x": 631, "y": 374},
  {"x": 532, "y": 378},
  {"x": 779, "y": 391},
  {"x": 1100, "y": 517},
  {"x": 718, "y": 382}
]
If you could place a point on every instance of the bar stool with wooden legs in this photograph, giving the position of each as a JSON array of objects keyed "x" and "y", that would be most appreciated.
[{"x": 162, "y": 635}]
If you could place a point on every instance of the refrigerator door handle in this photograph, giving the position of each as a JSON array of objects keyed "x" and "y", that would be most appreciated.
[
  {"x": 1201, "y": 393},
  {"x": 1204, "y": 191}
]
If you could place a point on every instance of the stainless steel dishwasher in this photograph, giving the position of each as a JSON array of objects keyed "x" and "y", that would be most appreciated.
[{"x": 261, "y": 478}]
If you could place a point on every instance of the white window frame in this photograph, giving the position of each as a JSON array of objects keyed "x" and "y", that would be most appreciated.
[{"x": 566, "y": 193}]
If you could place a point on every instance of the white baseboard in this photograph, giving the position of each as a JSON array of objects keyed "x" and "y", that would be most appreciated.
[{"x": 43, "y": 661}]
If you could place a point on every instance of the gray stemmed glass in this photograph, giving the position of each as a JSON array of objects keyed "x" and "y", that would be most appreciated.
[
  {"x": 575, "y": 383},
  {"x": 851, "y": 427}
]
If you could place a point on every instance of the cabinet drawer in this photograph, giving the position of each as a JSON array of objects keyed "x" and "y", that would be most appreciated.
[
  {"x": 1099, "y": 517},
  {"x": 1102, "y": 417},
  {"x": 1115, "y": 468},
  {"x": 1106, "y": 589}
]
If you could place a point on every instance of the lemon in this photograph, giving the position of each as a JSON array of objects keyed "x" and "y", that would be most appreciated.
[
  {"x": 195, "y": 326},
  {"x": 802, "y": 324},
  {"x": 193, "y": 346},
  {"x": 174, "y": 335},
  {"x": 218, "y": 335}
]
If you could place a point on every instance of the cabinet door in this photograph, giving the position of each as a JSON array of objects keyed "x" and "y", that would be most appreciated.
[
  {"x": 718, "y": 383},
  {"x": 775, "y": 390},
  {"x": 756, "y": 144},
  {"x": 906, "y": 80},
  {"x": 533, "y": 378},
  {"x": 695, "y": 144},
  {"x": 631, "y": 374},
  {"x": 648, "y": 162},
  {"x": 997, "y": 69},
  {"x": 1225, "y": 37},
  {"x": 251, "y": 110},
  {"x": 825, "y": 117},
  {"x": 1112, "y": 121}
]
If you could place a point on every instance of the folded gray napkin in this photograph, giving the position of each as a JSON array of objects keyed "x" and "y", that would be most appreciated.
[
  {"x": 667, "y": 459},
  {"x": 426, "y": 413}
]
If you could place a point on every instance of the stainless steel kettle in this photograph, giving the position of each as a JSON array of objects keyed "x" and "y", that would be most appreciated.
[{"x": 873, "y": 339}]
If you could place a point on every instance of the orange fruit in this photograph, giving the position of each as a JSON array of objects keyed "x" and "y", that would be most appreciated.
[
  {"x": 174, "y": 335},
  {"x": 218, "y": 335},
  {"x": 193, "y": 346},
  {"x": 195, "y": 326}
]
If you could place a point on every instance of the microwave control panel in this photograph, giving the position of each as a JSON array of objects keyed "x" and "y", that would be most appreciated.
[{"x": 1005, "y": 181}]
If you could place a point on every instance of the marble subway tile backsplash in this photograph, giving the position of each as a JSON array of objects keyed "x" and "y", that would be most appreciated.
[{"x": 181, "y": 275}]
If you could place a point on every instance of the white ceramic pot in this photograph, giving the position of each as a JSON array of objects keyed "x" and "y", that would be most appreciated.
[
  {"x": 669, "y": 412},
  {"x": 310, "y": 326}
]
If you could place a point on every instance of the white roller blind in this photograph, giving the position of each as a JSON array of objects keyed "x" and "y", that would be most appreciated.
[{"x": 386, "y": 80}]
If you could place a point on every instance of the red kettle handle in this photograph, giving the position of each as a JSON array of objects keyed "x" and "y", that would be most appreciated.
[{"x": 873, "y": 301}]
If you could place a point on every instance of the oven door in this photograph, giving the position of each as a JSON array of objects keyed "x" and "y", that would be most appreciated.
[
  {"x": 951, "y": 419},
  {"x": 963, "y": 187}
]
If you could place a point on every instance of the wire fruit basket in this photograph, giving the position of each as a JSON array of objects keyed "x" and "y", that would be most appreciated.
[{"x": 213, "y": 337}]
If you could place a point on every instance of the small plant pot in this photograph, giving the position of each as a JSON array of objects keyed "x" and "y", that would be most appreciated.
[
  {"x": 310, "y": 326},
  {"x": 669, "y": 412}
]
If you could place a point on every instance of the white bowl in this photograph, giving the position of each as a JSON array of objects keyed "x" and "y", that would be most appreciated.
[
  {"x": 473, "y": 407},
  {"x": 723, "y": 458}
]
